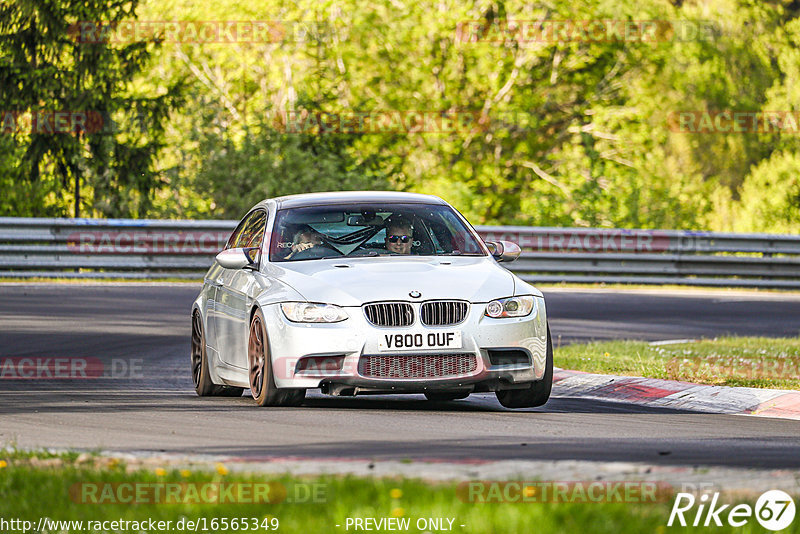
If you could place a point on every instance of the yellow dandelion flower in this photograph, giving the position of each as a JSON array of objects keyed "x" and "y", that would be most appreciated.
[
  {"x": 222, "y": 470},
  {"x": 398, "y": 512},
  {"x": 3, "y": 464},
  {"x": 185, "y": 473},
  {"x": 160, "y": 471},
  {"x": 396, "y": 493}
]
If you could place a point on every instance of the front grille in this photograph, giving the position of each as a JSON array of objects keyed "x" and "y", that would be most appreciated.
[
  {"x": 443, "y": 312},
  {"x": 417, "y": 365},
  {"x": 390, "y": 313}
]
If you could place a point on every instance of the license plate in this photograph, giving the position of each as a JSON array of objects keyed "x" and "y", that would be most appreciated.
[{"x": 419, "y": 341}]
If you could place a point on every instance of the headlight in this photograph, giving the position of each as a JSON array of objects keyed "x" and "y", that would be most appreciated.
[
  {"x": 310, "y": 312},
  {"x": 511, "y": 307}
]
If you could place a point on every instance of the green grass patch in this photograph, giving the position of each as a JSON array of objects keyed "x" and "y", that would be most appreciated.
[
  {"x": 728, "y": 361},
  {"x": 676, "y": 288},
  {"x": 55, "y": 487}
]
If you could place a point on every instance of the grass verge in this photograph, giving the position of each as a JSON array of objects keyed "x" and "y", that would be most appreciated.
[
  {"x": 56, "y": 487},
  {"x": 728, "y": 361},
  {"x": 677, "y": 289}
]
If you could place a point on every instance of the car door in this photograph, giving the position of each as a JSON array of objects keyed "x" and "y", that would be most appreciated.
[
  {"x": 214, "y": 279},
  {"x": 232, "y": 303}
]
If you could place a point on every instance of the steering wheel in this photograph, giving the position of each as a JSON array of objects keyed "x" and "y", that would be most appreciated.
[
  {"x": 361, "y": 250},
  {"x": 317, "y": 251}
]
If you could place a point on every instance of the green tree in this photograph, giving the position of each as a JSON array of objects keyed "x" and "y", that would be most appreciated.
[
  {"x": 578, "y": 130},
  {"x": 268, "y": 163},
  {"x": 48, "y": 67},
  {"x": 770, "y": 196}
]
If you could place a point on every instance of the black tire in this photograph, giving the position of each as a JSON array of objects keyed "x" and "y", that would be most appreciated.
[
  {"x": 262, "y": 380},
  {"x": 538, "y": 393},
  {"x": 199, "y": 359},
  {"x": 443, "y": 396}
]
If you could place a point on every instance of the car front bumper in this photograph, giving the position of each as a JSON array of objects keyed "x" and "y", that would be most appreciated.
[{"x": 346, "y": 342}]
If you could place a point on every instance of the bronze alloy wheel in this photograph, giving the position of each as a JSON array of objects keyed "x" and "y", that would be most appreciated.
[
  {"x": 256, "y": 356},
  {"x": 262, "y": 380}
]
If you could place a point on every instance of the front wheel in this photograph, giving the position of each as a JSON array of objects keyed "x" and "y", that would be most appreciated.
[
  {"x": 262, "y": 380},
  {"x": 538, "y": 393}
]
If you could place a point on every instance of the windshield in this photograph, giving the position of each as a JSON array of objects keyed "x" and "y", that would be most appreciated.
[{"x": 370, "y": 230}]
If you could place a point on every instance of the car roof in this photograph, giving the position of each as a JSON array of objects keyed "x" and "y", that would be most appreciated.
[{"x": 346, "y": 197}]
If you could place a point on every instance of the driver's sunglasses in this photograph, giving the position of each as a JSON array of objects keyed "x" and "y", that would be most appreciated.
[{"x": 398, "y": 238}]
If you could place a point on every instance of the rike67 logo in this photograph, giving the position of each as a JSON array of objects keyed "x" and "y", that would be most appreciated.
[{"x": 774, "y": 510}]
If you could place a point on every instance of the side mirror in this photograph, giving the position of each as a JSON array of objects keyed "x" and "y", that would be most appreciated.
[
  {"x": 504, "y": 251},
  {"x": 239, "y": 258}
]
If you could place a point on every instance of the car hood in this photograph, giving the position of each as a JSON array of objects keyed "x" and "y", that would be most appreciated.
[{"x": 352, "y": 282}]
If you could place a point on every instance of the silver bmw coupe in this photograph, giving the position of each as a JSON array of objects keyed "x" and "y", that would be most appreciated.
[{"x": 367, "y": 293}]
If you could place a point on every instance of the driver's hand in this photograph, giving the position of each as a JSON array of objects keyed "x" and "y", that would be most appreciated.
[{"x": 301, "y": 247}]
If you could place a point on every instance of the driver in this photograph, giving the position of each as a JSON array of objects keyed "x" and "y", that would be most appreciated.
[
  {"x": 399, "y": 232},
  {"x": 304, "y": 240}
]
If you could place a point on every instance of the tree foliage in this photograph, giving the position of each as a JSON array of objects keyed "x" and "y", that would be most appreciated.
[
  {"x": 576, "y": 132},
  {"x": 45, "y": 68}
]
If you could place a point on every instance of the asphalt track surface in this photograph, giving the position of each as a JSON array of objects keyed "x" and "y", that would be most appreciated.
[{"x": 149, "y": 324}]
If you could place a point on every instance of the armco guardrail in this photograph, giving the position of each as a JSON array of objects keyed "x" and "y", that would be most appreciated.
[
  {"x": 129, "y": 248},
  {"x": 653, "y": 256},
  {"x": 116, "y": 248}
]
